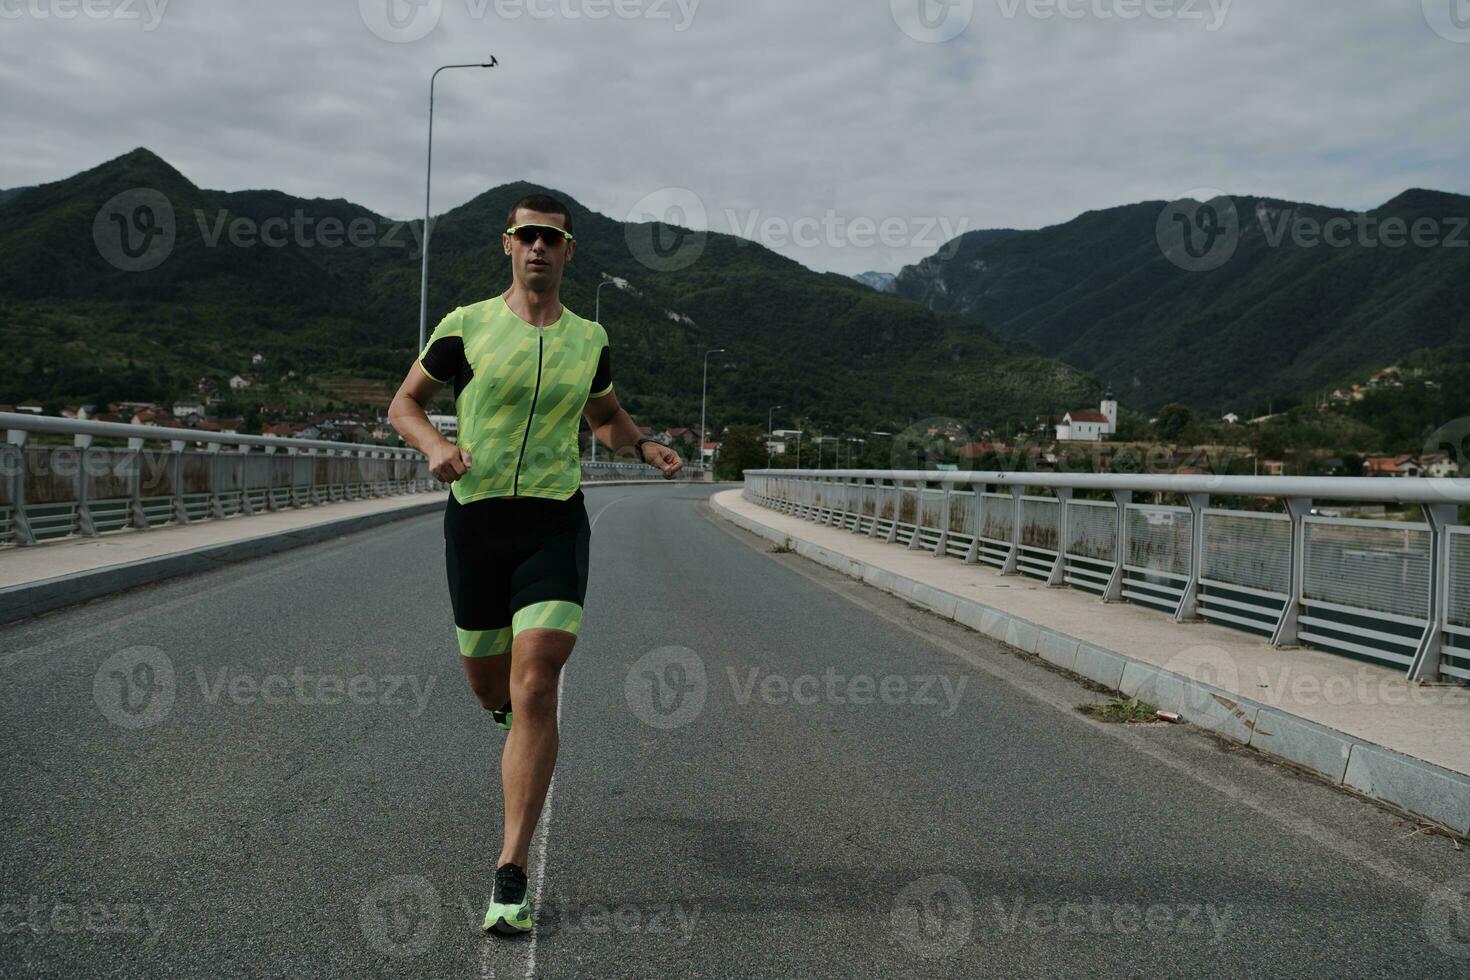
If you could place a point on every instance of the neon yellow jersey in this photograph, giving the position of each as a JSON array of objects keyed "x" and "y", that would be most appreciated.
[{"x": 519, "y": 392}]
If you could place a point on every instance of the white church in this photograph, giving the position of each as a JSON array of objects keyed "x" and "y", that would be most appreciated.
[{"x": 1089, "y": 426}]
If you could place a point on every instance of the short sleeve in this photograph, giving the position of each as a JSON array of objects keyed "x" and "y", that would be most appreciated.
[
  {"x": 602, "y": 380},
  {"x": 443, "y": 356}
]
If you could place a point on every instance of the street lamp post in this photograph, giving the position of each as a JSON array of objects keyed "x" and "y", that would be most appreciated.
[
  {"x": 428, "y": 178},
  {"x": 703, "y": 394}
]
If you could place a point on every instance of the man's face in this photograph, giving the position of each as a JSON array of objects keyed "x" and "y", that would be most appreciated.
[{"x": 538, "y": 266}]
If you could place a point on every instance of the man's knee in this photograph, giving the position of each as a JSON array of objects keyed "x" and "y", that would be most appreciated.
[{"x": 533, "y": 691}]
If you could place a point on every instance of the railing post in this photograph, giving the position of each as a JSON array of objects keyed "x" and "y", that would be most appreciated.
[
  {"x": 216, "y": 507},
  {"x": 1284, "y": 635},
  {"x": 943, "y": 543},
  {"x": 1013, "y": 560},
  {"x": 1188, "y": 611},
  {"x": 1426, "y": 662},
  {"x": 180, "y": 512},
  {"x": 20, "y": 524},
  {"x": 892, "y": 536},
  {"x": 1114, "y": 590},
  {"x": 86, "y": 526},
  {"x": 246, "y": 507},
  {"x": 137, "y": 517},
  {"x": 972, "y": 553},
  {"x": 270, "y": 479},
  {"x": 919, "y": 487},
  {"x": 1058, "y": 577}
]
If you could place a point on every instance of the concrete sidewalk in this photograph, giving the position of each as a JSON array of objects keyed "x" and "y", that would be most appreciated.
[
  {"x": 48, "y": 576},
  {"x": 1359, "y": 725}
]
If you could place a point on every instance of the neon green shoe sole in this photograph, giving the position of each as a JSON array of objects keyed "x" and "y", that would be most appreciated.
[
  {"x": 508, "y": 920},
  {"x": 502, "y": 716}
]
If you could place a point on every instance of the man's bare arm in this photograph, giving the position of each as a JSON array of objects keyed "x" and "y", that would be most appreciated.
[
  {"x": 407, "y": 415},
  {"x": 615, "y": 429}
]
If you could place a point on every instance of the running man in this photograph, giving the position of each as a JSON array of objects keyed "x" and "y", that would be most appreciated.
[{"x": 525, "y": 370}]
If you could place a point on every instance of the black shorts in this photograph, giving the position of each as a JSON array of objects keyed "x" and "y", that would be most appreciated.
[{"x": 515, "y": 563}]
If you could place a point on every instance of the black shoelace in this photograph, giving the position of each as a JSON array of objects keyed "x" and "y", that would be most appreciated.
[{"x": 510, "y": 885}]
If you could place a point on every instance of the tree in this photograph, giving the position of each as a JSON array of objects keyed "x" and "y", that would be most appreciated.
[
  {"x": 743, "y": 448},
  {"x": 1173, "y": 418}
]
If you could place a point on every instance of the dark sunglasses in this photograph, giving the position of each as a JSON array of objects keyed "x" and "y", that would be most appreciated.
[{"x": 551, "y": 235}]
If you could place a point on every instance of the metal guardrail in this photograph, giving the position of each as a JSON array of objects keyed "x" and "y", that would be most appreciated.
[
  {"x": 49, "y": 491},
  {"x": 1396, "y": 593}
]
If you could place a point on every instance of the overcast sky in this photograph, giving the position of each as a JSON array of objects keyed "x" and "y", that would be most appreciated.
[{"x": 858, "y": 116}]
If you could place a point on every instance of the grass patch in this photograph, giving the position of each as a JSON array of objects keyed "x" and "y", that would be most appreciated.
[
  {"x": 782, "y": 549},
  {"x": 1122, "y": 711}
]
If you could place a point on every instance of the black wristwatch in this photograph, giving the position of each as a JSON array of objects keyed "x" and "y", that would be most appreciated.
[{"x": 638, "y": 447}]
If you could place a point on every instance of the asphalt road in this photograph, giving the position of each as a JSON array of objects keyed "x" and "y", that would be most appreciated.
[{"x": 766, "y": 771}]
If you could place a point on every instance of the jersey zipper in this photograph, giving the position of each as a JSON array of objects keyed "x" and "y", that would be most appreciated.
[{"x": 540, "y": 348}]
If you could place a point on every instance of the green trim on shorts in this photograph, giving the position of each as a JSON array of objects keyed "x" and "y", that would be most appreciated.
[
  {"x": 554, "y": 614},
  {"x": 484, "y": 643}
]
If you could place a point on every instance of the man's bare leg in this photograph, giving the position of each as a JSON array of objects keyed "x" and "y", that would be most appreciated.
[
  {"x": 489, "y": 679},
  {"x": 536, "y": 661}
]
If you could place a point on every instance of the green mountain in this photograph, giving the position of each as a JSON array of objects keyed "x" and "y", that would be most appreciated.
[
  {"x": 1284, "y": 316},
  {"x": 82, "y": 322}
]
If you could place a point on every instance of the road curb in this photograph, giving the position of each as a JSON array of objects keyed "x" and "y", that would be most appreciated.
[{"x": 1412, "y": 785}]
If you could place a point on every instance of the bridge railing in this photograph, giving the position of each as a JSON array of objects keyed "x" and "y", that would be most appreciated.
[
  {"x": 155, "y": 475},
  {"x": 1393, "y": 592}
]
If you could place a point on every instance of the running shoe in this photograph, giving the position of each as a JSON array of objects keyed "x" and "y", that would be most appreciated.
[
  {"x": 502, "y": 716},
  {"x": 510, "y": 907}
]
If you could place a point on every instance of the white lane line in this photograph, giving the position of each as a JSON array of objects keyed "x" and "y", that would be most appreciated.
[
  {"x": 543, "y": 831},
  {"x": 1297, "y": 823}
]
